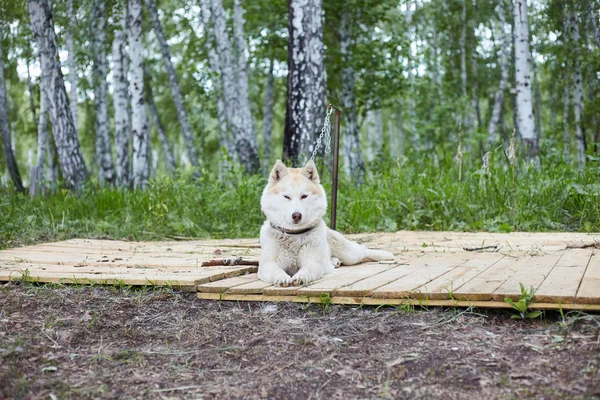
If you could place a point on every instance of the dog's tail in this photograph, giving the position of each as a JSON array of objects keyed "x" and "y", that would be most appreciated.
[{"x": 350, "y": 252}]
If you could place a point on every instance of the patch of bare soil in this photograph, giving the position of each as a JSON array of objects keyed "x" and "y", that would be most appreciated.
[{"x": 95, "y": 342}]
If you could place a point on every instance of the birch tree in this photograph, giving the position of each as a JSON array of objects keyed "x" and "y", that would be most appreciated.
[
  {"x": 11, "y": 162},
  {"x": 577, "y": 87},
  {"x": 182, "y": 116},
  {"x": 139, "y": 120},
  {"x": 106, "y": 172},
  {"x": 121, "y": 97},
  {"x": 71, "y": 64},
  {"x": 524, "y": 106},
  {"x": 244, "y": 141},
  {"x": 65, "y": 136},
  {"x": 170, "y": 165},
  {"x": 505, "y": 45},
  {"x": 268, "y": 117},
  {"x": 43, "y": 144},
  {"x": 215, "y": 69},
  {"x": 353, "y": 162},
  {"x": 305, "y": 105}
]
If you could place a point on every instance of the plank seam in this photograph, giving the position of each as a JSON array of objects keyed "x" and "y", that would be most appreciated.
[{"x": 582, "y": 277}]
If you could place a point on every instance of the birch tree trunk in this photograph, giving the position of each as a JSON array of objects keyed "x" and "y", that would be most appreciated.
[
  {"x": 396, "y": 134},
  {"x": 213, "y": 62},
  {"x": 245, "y": 142},
  {"x": 139, "y": 120},
  {"x": 182, "y": 116},
  {"x": 11, "y": 162},
  {"x": 538, "y": 102},
  {"x": 577, "y": 88},
  {"x": 594, "y": 24},
  {"x": 30, "y": 89},
  {"x": 353, "y": 162},
  {"x": 523, "y": 80},
  {"x": 378, "y": 133},
  {"x": 268, "y": 117},
  {"x": 162, "y": 136},
  {"x": 505, "y": 44},
  {"x": 71, "y": 64},
  {"x": 305, "y": 104},
  {"x": 566, "y": 134},
  {"x": 467, "y": 113},
  {"x": 106, "y": 172},
  {"x": 65, "y": 135},
  {"x": 121, "y": 97},
  {"x": 37, "y": 172}
]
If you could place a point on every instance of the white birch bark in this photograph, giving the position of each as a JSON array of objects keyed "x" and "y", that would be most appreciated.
[
  {"x": 577, "y": 88},
  {"x": 65, "y": 135},
  {"x": 182, "y": 115},
  {"x": 106, "y": 172},
  {"x": 244, "y": 141},
  {"x": 377, "y": 132},
  {"x": 121, "y": 97},
  {"x": 467, "y": 116},
  {"x": 268, "y": 117},
  {"x": 566, "y": 133},
  {"x": 523, "y": 80},
  {"x": 396, "y": 134},
  {"x": 72, "y": 67},
  {"x": 139, "y": 120},
  {"x": 242, "y": 66},
  {"x": 505, "y": 45},
  {"x": 7, "y": 142},
  {"x": 213, "y": 62},
  {"x": 30, "y": 89},
  {"x": 305, "y": 107},
  {"x": 353, "y": 163},
  {"x": 593, "y": 14},
  {"x": 170, "y": 165},
  {"x": 37, "y": 172}
]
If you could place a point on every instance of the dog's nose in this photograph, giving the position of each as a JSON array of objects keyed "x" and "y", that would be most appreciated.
[{"x": 296, "y": 217}]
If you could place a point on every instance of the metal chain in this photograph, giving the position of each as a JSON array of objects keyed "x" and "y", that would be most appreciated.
[{"x": 325, "y": 132}]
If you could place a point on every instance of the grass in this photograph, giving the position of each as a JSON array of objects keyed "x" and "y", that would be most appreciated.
[{"x": 415, "y": 194}]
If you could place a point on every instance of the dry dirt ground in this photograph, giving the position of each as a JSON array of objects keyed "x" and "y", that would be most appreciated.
[{"x": 97, "y": 342}]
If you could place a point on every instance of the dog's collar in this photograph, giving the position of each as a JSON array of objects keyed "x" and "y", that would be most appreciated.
[{"x": 292, "y": 231}]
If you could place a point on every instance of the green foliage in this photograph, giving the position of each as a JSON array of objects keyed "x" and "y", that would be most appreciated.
[{"x": 522, "y": 305}]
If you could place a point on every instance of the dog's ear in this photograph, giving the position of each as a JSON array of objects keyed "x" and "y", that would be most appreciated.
[
  {"x": 277, "y": 173},
  {"x": 310, "y": 171}
]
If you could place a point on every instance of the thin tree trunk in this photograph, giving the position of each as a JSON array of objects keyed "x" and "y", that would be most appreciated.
[
  {"x": 505, "y": 44},
  {"x": 65, "y": 135},
  {"x": 11, "y": 162},
  {"x": 577, "y": 89},
  {"x": 139, "y": 120},
  {"x": 377, "y": 133},
  {"x": 174, "y": 84},
  {"x": 30, "y": 89},
  {"x": 213, "y": 61},
  {"x": 467, "y": 113},
  {"x": 37, "y": 173},
  {"x": 72, "y": 69},
  {"x": 121, "y": 97},
  {"x": 244, "y": 140},
  {"x": 162, "y": 136},
  {"x": 106, "y": 172},
  {"x": 268, "y": 117},
  {"x": 566, "y": 134},
  {"x": 305, "y": 105},
  {"x": 593, "y": 23},
  {"x": 523, "y": 80},
  {"x": 396, "y": 134},
  {"x": 538, "y": 102},
  {"x": 554, "y": 104},
  {"x": 353, "y": 162}
]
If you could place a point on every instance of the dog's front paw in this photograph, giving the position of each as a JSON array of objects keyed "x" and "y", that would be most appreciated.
[
  {"x": 303, "y": 277},
  {"x": 335, "y": 262},
  {"x": 282, "y": 279}
]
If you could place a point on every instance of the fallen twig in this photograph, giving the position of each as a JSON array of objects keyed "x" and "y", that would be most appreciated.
[
  {"x": 495, "y": 247},
  {"x": 595, "y": 245},
  {"x": 228, "y": 262}
]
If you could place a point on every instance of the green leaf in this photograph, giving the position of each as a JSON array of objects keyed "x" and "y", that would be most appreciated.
[{"x": 533, "y": 314}]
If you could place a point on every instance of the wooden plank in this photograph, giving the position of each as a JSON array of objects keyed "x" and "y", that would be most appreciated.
[
  {"x": 221, "y": 286},
  {"x": 481, "y": 287},
  {"x": 530, "y": 273},
  {"x": 423, "y": 271},
  {"x": 257, "y": 286},
  {"x": 560, "y": 286},
  {"x": 444, "y": 286},
  {"x": 343, "y": 276},
  {"x": 589, "y": 291},
  {"x": 370, "y": 301}
]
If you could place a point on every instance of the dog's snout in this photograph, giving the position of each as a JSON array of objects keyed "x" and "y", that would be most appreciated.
[{"x": 296, "y": 217}]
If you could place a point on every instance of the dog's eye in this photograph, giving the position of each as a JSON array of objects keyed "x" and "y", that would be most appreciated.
[
  {"x": 303, "y": 196},
  {"x": 287, "y": 197}
]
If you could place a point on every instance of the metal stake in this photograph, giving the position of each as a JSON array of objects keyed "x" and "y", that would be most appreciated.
[{"x": 336, "y": 157}]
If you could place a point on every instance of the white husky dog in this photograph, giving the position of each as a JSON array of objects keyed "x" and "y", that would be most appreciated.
[{"x": 297, "y": 246}]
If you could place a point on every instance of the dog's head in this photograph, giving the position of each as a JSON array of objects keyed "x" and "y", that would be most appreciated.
[{"x": 294, "y": 197}]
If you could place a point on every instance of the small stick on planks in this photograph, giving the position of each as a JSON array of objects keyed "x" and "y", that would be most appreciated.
[
  {"x": 595, "y": 245},
  {"x": 228, "y": 262},
  {"x": 480, "y": 248}
]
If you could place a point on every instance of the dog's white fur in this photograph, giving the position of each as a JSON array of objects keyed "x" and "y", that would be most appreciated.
[{"x": 295, "y": 259}]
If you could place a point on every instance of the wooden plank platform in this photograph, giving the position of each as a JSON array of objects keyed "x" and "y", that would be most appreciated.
[{"x": 431, "y": 269}]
